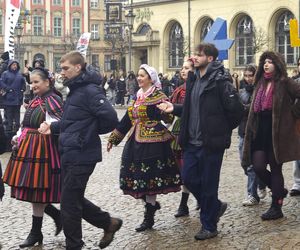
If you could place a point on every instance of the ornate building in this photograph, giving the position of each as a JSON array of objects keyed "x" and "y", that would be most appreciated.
[
  {"x": 53, "y": 28},
  {"x": 166, "y": 31}
]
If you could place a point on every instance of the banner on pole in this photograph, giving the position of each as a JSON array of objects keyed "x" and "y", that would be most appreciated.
[
  {"x": 11, "y": 19},
  {"x": 83, "y": 43}
]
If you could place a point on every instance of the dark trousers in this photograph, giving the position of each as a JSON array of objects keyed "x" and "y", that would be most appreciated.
[
  {"x": 12, "y": 119},
  {"x": 74, "y": 206},
  {"x": 201, "y": 175}
]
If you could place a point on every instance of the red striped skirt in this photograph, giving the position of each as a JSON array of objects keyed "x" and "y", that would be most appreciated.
[{"x": 33, "y": 171}]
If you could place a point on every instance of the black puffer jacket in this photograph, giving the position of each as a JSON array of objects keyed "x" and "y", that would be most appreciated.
[
  {"x": 87, "y": 114},
  {"x": 216, "y": 133}
]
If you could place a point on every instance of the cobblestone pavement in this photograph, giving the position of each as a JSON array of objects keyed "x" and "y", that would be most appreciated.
[{"x": 239, "y": 228}]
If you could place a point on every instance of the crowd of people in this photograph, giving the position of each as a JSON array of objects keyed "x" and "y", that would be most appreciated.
[{"x": 174, "y": 138}]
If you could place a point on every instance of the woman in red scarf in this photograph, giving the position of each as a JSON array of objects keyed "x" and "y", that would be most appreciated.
[
  {"x": 178, "y": 98},
  {"x": 271, "y": 136}
]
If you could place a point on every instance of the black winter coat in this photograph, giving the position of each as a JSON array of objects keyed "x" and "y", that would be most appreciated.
[
  {"x": 216, "y": 133},
  {"x": 87, "y": 113}
]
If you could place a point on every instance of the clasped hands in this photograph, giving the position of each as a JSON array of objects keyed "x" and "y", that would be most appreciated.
[{"x": 45, "y": 128}]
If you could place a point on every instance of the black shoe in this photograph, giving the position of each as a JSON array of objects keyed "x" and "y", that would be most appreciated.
[
  {"x": 148, "y": 221},
  {"x": 54, "y": 213},
  {"x": 273, "y": 213},
  {"x": 35, "y": 235},
  {"x": 222, "y": 210},
  {"x": 32, "y": 239},
  {"x": 204, "y": 234},
  {"x": 182, "y": 211},
  {"x": 294, "y": 192},
  {"x": 108, "y": 236}
]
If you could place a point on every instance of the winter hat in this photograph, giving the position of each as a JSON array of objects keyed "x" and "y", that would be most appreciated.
[{"x": 153, "y": 75}]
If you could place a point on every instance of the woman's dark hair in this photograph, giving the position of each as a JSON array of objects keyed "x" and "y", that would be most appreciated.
[
  {"x": 131, "y": 75},
  {"x": 279, "y": 65}
]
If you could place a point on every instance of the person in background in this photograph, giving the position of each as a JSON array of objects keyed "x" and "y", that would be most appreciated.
[
  {"x": 178, "y": 98},
  {"x": 111, "y": 91},
  {"x": 33, "y": 171},
  {"x": 167, "y": 87},
  {"x": 253, "y": 183},
  {"x": 148, "y": 167},
  {"x": 271, "y": 137},
  {"x": 131, "y": 86},
  {"x": 2, "y": 150},
  {"x": 59, "y": 86},
  {"x": 236, "y": 82},
  {"x": 13, "y": 83},
  {"x": 120, "y": 89},
  {"x": 176, "y": 80},
  {"x": 295, "y": 190}
]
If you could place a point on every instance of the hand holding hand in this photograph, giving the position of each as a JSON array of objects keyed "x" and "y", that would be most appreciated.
[
  {"x": 166, "y": 107},
  {"x": 45, "y": 128},
  {"x": 109, "y": 146}
]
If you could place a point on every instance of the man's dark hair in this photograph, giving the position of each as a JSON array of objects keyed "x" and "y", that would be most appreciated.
[{"x": 208, "y": 49}]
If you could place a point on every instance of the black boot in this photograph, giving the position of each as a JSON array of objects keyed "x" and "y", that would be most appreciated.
[
  {"x": 148, "y": 217},
  {"x": 54, "y": 213},
  {"x": 35, "y": 235},
  {"x": 183, "y": 209},
  {"x": 274, "y": 212}
]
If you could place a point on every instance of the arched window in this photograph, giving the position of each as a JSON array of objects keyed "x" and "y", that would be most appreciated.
[
  {"x": 244, "y": 38},
  {"x": 176, "y": 41},
  {"x": 205, "y": 28},
  {"x": 283, "y": 43},
  {"x": 143, "y": 29}
]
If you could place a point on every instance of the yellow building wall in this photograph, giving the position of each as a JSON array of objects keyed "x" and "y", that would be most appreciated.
[{"x": 263, "y": 13}]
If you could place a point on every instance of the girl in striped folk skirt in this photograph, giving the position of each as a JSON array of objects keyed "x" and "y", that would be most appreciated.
[{"x": 33, "y": 171}]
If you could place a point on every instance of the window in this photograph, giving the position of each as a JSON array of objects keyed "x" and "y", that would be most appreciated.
[
  {"x": 57, "y": 24},
  {"x": 95, "y": 62},
  {"x": 244, "y": 38},
  {"x": 95, "y": 32},
  {"x": 94, "y": 3},
  {"x": 37, "y": 25},
  {"x": 76, "y": 27},
  {"x": 144, "y": 29},
  {"x": 176, "y": 46},
  {"x": 283, "y": 43},
  {"x": 37, "y": 1},
  {"x": 205, "y": 28},
  {"x": 107, "y": 59},
  {"x": 75, "y": 2},
  {"x": 56, "y": 2}
]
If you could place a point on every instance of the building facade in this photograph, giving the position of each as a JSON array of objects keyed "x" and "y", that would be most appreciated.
[
  {"x": 167, "y": 31},
  {"x": 53, "y": 27}
]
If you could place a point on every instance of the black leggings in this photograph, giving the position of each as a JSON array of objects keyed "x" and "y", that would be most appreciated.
[{"x": 274, "y": 178}]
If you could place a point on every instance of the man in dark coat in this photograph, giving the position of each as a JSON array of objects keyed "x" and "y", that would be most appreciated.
[
  {"x": 205, "y": 133},
  {"x": 87, "y": 113},
  {"x": 13, "y": 83}
]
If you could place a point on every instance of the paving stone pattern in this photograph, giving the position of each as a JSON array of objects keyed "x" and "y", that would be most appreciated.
[{"x": 239, "y": 228}]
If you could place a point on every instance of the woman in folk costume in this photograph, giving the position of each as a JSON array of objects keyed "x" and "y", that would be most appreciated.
[
  {"x": 271, "y": 135},
  {"x": 33, "y": 171},
  {"x": 178, "y": 98},
  {"x": 148, "y": 166}
]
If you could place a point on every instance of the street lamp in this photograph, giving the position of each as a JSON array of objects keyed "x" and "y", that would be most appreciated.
[
  {"x": 129, "y": 20},
  {"x": 18, "y": 32}
]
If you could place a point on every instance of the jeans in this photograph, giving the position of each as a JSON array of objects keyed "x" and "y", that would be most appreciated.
[
  {"x": 12, "y": 114},
  {"x": 74, "y": 207},
  {"x": 111, "y": 96},
  {"x": 201, "y": 175},
  {"x": 253, "y": 181}
]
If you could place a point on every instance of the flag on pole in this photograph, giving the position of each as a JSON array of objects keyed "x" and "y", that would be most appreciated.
[
  {"x": 11, "y": 19},
  {"x": 83, "y": 43}
]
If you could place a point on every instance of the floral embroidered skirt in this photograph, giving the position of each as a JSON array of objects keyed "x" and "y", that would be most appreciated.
[
  {"x": 148, "y": 169},
  {"x": 33, "y": 172}
]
